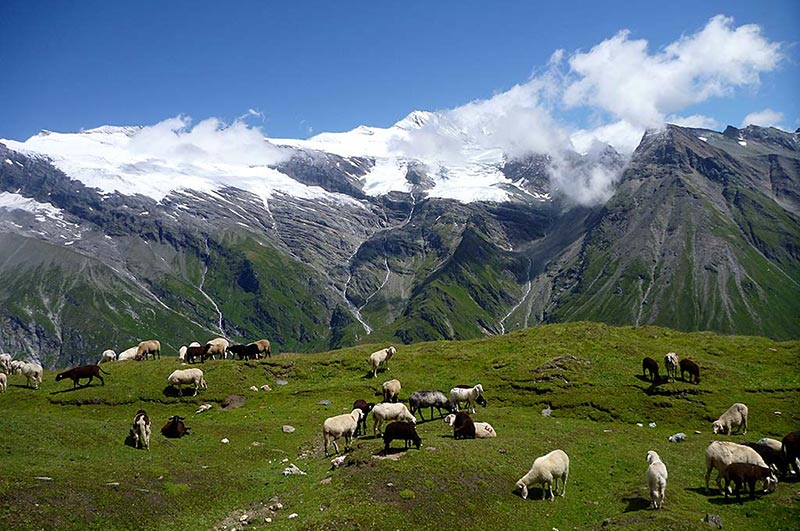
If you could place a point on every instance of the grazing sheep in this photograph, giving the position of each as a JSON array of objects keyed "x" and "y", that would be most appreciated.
[
  {"x": 263, "y": 348},
  {"x": 218, "y": 345},
  {"x": 721, "y": 454},
  {"x": 735, "y": 417},
  {"x": 201, "y": 352},
  {"x": 182, "y": 377},
  {"x": 244, "y": 352},
  {"x": 463, "y": 425},
  {"x": 692, "y": 368},
  {"x": 432, "y": 399},
  {"x": 128, "y": 354},
  {"x": 470, "y": 395},
  {"x": 32, "y": 372},
  {"x": 381, "y": 356},
  {"x": 671, "y": 363},
  {"x": 772, "y": 457},
  {"x": 365, "y": 408},
  {"x": 739, "y": 473},
  {"x": 151, "y": 347},
  {"x": 107, "y": 355},
  {"x": 340, "y": 426},
  {"x": 391, "y": 390},
  {"x": 650, "y": 365},
  {"x": 140, "y": 430},
  {"x": 546, "y": 470},
  {"x": 182, "y": 350},
  {"x": 84, "y": 371},
  {"x": 5, "y": 363},
  {"x": 402, "y": 431},
  {"x": 386, "y": 411},
  {"x": 3, "y": 382},
  {"x": 771, "y": 443},
  {"x": 790, "y": 446},
  {"x": 174, "y": 428},
  {"x": 656, "y": 479}
]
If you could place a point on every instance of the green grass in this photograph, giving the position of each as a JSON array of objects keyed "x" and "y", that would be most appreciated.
[{"x": 587, "y": 372}]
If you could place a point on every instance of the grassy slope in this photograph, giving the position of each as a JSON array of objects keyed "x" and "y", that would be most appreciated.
[{"x": 76, "y": 438}]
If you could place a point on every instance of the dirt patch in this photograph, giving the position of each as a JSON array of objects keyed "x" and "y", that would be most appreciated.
[
  {"x": 233, "y": 401},
  {"x": 256, "y": 513}
]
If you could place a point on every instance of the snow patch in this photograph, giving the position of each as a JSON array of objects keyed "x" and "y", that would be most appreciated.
[
  {"x": 704, "y": 139},
  {"x": 12, "y": 201},
  {"x": 742, "y": 143}
]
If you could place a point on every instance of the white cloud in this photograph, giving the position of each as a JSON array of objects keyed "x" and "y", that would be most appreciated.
[
  {"x": 698, "y": 121},
  {"x": 620, "y": 134},
  {"x": 765, "y": 118}
]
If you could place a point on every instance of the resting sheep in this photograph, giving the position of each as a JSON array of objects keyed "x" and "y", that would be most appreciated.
[
  {"x": 470, "y": 395},
  {"x": 182, "y": 377},
  {"x": 431, "y": 399},
  {"x": 340, "y": 426},
  {"x": 735, "y": 417},
  {"x": 218, "y": 345},
  {"x": 463, "y": 425},
  {"x": 365, "y": 408},
  {"x": 671, "y": 363},
  {"x": 174, "y": 428},
  {"x": 379, "y": 357},
  {"x": 151, "y": 347},
  {"x": 128, "y": 354},
  {"x": 650, "y": 365},
  {"x": 721, "y": 454},
  {"x": 391, "y": 390},
  {"x": 402, "y": 431},
  {"x": 739, "y": 473},
  {"x": 386, "y": 411},
  {"x": 84, "y": 371},
  {"x": 140, "y": 430},
  {"x": 692, "y": 368},
  {"x": 546, "y": 470},
  {"x": 656, "y": 479}
]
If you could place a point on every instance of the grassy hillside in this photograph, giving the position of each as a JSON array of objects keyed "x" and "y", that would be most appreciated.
[{"x": 588, "y": 373}]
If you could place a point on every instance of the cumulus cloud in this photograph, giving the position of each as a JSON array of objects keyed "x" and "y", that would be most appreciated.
[
  {"x": 698, "y": 121},
  {"x": 765, "y": 118}
]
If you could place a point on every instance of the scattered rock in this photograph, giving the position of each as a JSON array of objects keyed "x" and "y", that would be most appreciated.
[
  {"x": 293, "y": 470},
  {"x": 325, "y": 481},
  {"x": 773, "y": 349},
  {"x": 265, "y": 387},
  {"x": 256, "y": 443},
  {"x": 293, "y": 515},
  {"x": 204, "y": 407},
  {"x": 281, "y": 382},
  {"x": 606, "y": 522},
  {"x": 113, "y": 483},
  {"x": 324, "y": 402},
  {"x": 288, "y": 429},
  {"x": 502, "y": 451},
  {"x": 697, "y": 432},
  {"x": 677, "y": 437},
  {"x": 777, "y": 413},
  {"x": 607, "y": 431},
  {"x": 244, "y": 518},
  {"x": 652, "y": 424},
  {"x": 225, "y": 441},
  {"x": 546, "y": 412},
  {"x": 276, "y": 506},
  {"x": 43, "y": 478},
  {"x": 254, "y": 388},
  {"x": 714, "y": 520},
  {"x": 268, "y": 520},
  {"x": 431, "y": 448},
  {"x": 233, "y": 401},
  {"x": 336, "y": 462},
  {"x": 639, "y": 424}
]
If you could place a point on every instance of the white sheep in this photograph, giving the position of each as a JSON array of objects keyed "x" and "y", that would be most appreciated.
[
  {"x": 140, "y": 430},
  {"x": 3, "y": 382},
  {"x": 219, "y": 346},
  {"x": 32, "y": 371},
  {"x": 771, "y": 443},
  {"x": 128, "y": 354},
  {"x": 736, "y": 416},
  {"x": 386, "y": 411},
  {"x": 5, "y": 363},
  {"x": 671, "y": 363},
  {"x": 107, "y": 355},
  {"x": 182, "y": 377},
  {"x": 340, "y": 426},
  {"x": 546, "y": 470},
  {"x": 656, "y": 479},
  {"x": 720, "y": 454},
  {"x": 381, "y": 356},
  {"x": 391, "y": 390},
  {"x": 470, "y": 395},
  {"x": 182, "y": 350}
]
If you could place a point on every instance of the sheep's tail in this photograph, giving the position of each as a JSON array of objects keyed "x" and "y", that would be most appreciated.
[{"x": 101, "y": 370}]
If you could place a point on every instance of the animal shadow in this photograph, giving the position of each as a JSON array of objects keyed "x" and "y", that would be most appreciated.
[
  {"x": 174, "y": 392},
  {"x": 534, "y": 493},
  {"x": 702, "y": 491},
  {"x": 69, "y": 389},
  {"x": 130, "y": 441},
  {"x": 636, "y": 503}
]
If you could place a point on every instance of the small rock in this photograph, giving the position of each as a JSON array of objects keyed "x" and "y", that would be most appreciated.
[
  {"x": 546, "y": 412},
  {"x": 281, "y": 382},
  {"x": 43, "y": 478},
  {"x": 244, "y": 518},
  {"x": 285, "y": 460},
  {"x": 697, "y": 432},
  {"x": 268, "y": 520},
  {"x": 606, "y": 522},
  {"x": 113, "y": 484},
  {"x": 639, "y": 424},
  {"x": 336, "y": 462},
  {"x": 607, "y": 431},
  {"x": 293, "y": 470},
  {"x": 714, "y": 520},
  {"x": 390, "y": 485},
  {"x": 254, "y": 388},
  {"x": 325, "y": 481},
  {"x": 677, "y": 437},
  {"x": 503, "y": 451},
  {"x": 204, "y": 407},
  {"x": 288, "y": 429},
  {"x": 256, "y": 443},
  {"x": 225, "y": 441},
  {"x": 324, "y": 402},
  {"x": 265, "y": 387},
  {"x": 773, "y": 349},
  {"x": 652, "y": 424},
  {"x": 777, "y": 413},
  {"x": 293, "y": 515},
  {"x": 276, "y": 506}
]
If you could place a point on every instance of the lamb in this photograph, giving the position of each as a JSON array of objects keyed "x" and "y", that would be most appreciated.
[
  {"x": 650, "y": 365},
  {"x": 381, "y": 357},
  {"x": 735, "y": 417},
  {"x": 546, "y": 470},
  {"x": 400, "y": 431},
  {"x": 84, "y": 371},
  {"x": 174, "y": 428},
  {"x": 182, "y": 350},
  {"x": 432, "y": 399},
  {"x": 463, "y": 425},
  {"x": 790, "y": 446},
  {"x": 656, "y": 479},
  {"x": 218, "y": 345},
  {"x": 386, "y": 411},
  {"x": 692, "y": 368},
  {"x": 107, "y": 355},
  {"x": 739, "y": 473},
  {"x": 140, "y": 430},
  {"x": 340, "y": 426},
  {"x": 721, "y": 454},
  {"x": 391, "y": 390},
  {"x": 151, "y": 347},
  {"x": 128, "y": 354},
  {"x": 182, "y": 377},
  {"x": 32, "y": 372},
  {"x": 3, "y": 382},
  {"x": 671, "y": 363},
  {"x": 470, "y": 395},
  {"x": 365, "y": 408}
]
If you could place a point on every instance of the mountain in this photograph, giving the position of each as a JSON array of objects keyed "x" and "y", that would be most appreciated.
[{"x": 119, "y": 234}]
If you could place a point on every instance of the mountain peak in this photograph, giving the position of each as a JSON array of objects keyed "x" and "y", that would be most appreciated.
[{"x": 415, "y": 120}]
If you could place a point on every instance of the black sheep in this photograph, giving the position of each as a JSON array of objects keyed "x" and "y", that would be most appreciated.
[
  {"x": 402, "y": 431},
  {"x": 174, "y": 428},
  {"x": 651, "y": 365},
  {"x": 84, "y": 371},
  {"x": 365, "y": 407},
  {"x": 771, "y": 457},
  {"x": 791, "y": 449},
  {"x": 463, "y": 426},
  {"x": 692, "y": 368}
]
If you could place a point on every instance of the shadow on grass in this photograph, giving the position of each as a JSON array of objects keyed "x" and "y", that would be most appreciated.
[
  {"x": 70, "y": 389},
  {"x": 174, "y": 392},
  {"x": 369, "y": 376},
  {"x": 534, "y": 494},
  {"x": 636, "y": 503}
]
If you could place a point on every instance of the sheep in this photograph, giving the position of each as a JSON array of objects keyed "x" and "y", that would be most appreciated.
[
  {"x": 201, "y": 352},
  {"x": 263, "y": 347},
  {"x": 790, "y": 445},
  {"x": 140, "y": 430},
  {"x": 656, "y": 479},
  {"x": 182, "y": 377},
  {"x": 381, "y": 356},
  {"x": 432, "y": 399},
  {"x": 32, "y": 372},
  {"x": 340, "y": 426},
  {"x": 692, "y": 368},
  {"x": 470, "y": 395},
  {"x": 671, "y": 363},
  {"x": 546, "y": 470},
  {"x": 107, "y": 355},
  {"x": 735, "y": 416},
  {"x": 128, "y": 354},
  {"x": 5, "y": 363},
  {"x": 739, "y": 473},
  {"x": 218, "y": 345},
  {"x": 484, "y": 430},
  {"x": 174, "y": 428},
  {"x": 771, "y": 443},
  {"x": 650, "y": 365},
  {"x": 365, "y": 408},
  {"x": 387, "y": 411},
  {"x": 391, "y": 390},
  {"x": 400, "y": 431},
  {"x": 772, "y": 457},
  {"x": 463, "y": 425},
  {"x": 182, "y": 350},
  {"x": 3, "y": 382},
  {"x": 720, "y": 454},
  {"x": 149, "y": 347},
  {"x": 84, "y": 371},
  {"x": 244, "y": 352}
]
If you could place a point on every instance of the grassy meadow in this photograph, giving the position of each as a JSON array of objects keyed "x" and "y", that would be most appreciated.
[{"x": 64, "y": 463}]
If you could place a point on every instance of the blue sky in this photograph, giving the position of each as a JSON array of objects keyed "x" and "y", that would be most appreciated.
[{"x": 310, "y": 67}]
